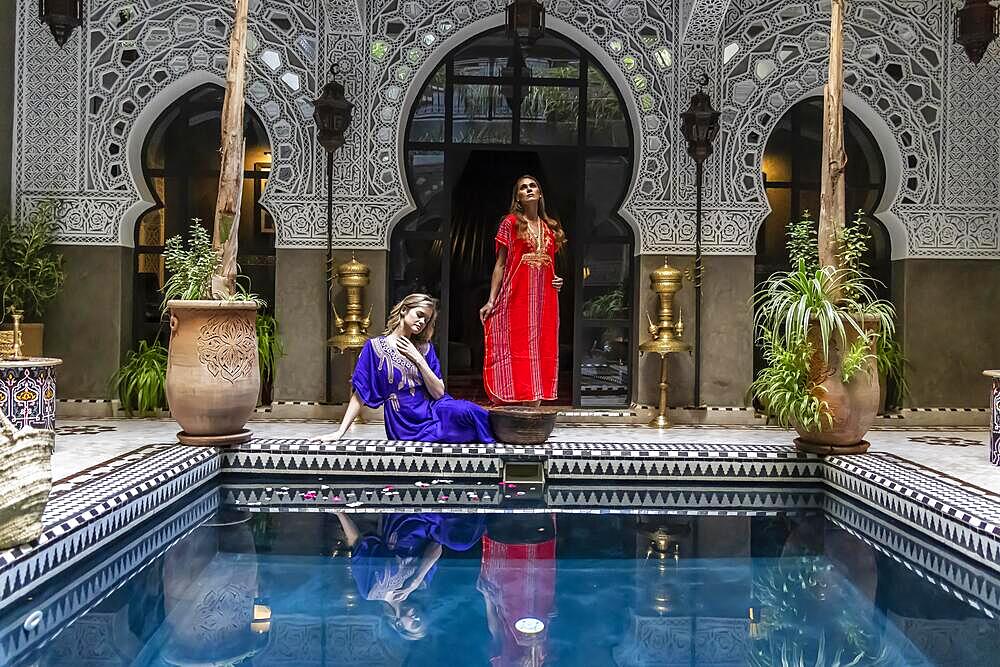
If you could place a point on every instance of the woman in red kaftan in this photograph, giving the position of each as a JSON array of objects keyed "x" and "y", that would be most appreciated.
[{"x": 521, "y": 317}]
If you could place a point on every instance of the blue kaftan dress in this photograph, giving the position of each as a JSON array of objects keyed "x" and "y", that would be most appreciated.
[{"x": 384, "y": 376}]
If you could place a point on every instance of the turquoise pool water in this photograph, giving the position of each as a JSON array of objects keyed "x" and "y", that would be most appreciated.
[{"x": 523, "y": 585}]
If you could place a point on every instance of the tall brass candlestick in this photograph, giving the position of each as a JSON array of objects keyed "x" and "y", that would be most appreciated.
[
  {"x": 10, "y": 341},
  {"x": 666, "y": 332}
]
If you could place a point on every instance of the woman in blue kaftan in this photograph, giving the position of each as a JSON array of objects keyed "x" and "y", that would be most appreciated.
[{"x": 400, "y": 371}]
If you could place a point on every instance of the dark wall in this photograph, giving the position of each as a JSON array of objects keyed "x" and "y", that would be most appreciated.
[
  {"x": 88, "y": 323},
  {"x": 727, "y": 342},
  {"x": 8, "y": 11},
  {"x": 949, "y": 315},
  {"x": 300, "y": 304}
]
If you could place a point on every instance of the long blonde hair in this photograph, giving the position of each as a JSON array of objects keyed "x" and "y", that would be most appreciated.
[
  {"x": 408, "y": 303},
  {"x": 522, "y": 224}
]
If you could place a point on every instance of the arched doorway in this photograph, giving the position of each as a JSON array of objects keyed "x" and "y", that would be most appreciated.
[
  {"x": 180, "y": 164},
  {"x": 490, "y": 113},
  {"x": 791, "y": 173}
]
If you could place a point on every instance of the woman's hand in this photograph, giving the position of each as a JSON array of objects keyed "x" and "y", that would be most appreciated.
[
  {"x": 557, "y": 282},
  {"x": 485, "y": 312},
  {"x": 409, "y": 350},
  {"x": 336, "y": 435}
]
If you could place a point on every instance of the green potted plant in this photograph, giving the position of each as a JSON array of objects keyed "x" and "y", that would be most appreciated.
[
  {"x": 31, "y": 272},
  {"x": 270, "y": 348},
  {"x": 140, "y": 383},
  {"x": 825, "y": 334}
]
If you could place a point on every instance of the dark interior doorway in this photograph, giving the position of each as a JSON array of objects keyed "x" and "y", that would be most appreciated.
[
  {"x": 490, "y": 112},
  {"x": 481, "y": 197}
]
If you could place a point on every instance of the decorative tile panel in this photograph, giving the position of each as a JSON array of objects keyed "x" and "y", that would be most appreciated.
[{"x": 89, "y": 509}]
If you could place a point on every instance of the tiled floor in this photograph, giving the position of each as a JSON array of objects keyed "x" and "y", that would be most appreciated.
[{"x": 960, "y": 453}]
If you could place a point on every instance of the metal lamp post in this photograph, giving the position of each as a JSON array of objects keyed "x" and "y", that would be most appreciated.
[
  {"x": 700, "y": 127},
  {"x": 976, "y": 26},
  {"x": 62, "y": 17},
  {"x": 332, "y": 113}
]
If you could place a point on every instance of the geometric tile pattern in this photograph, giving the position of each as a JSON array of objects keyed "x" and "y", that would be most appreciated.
[
  {"x": 79, "y": 109},
  {"x": 88, "y": 510},
  {"x": 995, "y": 423},
  {"x": 113, "y": 569},
  {"x": 693, "y": 500},
  {"x": 292, "y": 496},
  {"x": 978, "y": 587},
  {"x": 964, "y": 517},
  {"x": 91, "y": 508}
]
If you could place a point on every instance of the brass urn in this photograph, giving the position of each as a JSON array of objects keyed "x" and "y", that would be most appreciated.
[{"x": 352, "y": 329}]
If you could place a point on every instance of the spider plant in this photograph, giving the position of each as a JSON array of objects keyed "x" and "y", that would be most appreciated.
[
  {"x": 139, "y": 382},
  {"x": 838, "y": 304}
]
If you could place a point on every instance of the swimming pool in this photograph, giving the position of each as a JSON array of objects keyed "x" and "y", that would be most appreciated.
[{"x": 279, "y": 571}]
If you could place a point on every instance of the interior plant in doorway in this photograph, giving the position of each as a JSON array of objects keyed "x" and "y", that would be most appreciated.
[
  {"x": 140, "y": 381},
  {"x": 270, "y": 348},
  {"x": 824, "y": 331},
  {"x": 32, "y": 271}
]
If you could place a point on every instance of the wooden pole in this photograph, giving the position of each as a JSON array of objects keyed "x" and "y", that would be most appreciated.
[
  {"x": 832, "y": 203},
  {"x": 225, "y": 234}
]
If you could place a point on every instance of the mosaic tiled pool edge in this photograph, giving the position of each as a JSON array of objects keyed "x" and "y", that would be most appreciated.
[
  {"x": 90, "y": 509},
  {"x": 106, "y": 576}
]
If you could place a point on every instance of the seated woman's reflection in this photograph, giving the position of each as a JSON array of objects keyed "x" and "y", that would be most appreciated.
[
  {"x": 402, "y": 557},
  {"x": 518, "y": 582}
]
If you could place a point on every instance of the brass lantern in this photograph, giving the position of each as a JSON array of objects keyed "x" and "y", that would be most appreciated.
[
  {"x": 62, "y": 16},
  {"x": 525, "y": 20},
  {"x": 976, "y": 27},
  {"x": 332, "y": 113}
]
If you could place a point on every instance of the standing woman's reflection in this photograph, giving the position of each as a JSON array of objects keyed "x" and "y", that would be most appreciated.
[
  {"x": 402, "y": 557},
  {"x": 518, "y": 581}
]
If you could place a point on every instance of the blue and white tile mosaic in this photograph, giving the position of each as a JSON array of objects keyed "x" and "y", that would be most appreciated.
[{"x": 89, "y": 509}]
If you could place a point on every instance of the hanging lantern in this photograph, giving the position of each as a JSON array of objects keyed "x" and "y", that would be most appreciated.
[
  {"x": 62, "y": 16},
  {"x": 332, "y": 113},
  {"x": 700, "y": 126},
  {"x": 525, "y": 20},
  {"x": 976, "y": 27}
]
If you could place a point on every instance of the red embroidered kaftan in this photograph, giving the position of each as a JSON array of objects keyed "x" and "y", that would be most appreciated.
[{"x": 522, "y": 333}]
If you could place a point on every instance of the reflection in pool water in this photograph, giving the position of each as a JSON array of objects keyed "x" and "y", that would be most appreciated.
[{"x": 525, "y": 588}]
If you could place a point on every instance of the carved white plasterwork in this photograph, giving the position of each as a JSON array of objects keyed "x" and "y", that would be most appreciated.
[
  {"x": 928, "y": 107},
  {"x": 703, "y": 21},
  {"x": 82, "y": 111}
]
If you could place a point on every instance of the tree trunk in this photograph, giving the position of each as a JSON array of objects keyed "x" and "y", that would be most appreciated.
[
  {"x": 225, "y": 236},
  {"x": 832, "y": 203}
]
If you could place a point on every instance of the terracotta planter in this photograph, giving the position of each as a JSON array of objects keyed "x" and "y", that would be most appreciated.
[
  {"x": 213, "y": 376},
  {"x": 852, "y": 406}
]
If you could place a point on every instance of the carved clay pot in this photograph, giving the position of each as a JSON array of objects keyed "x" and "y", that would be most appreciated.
[
  {"x": 213, "y": 375},
  {"x": 852, "y": 405}
]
